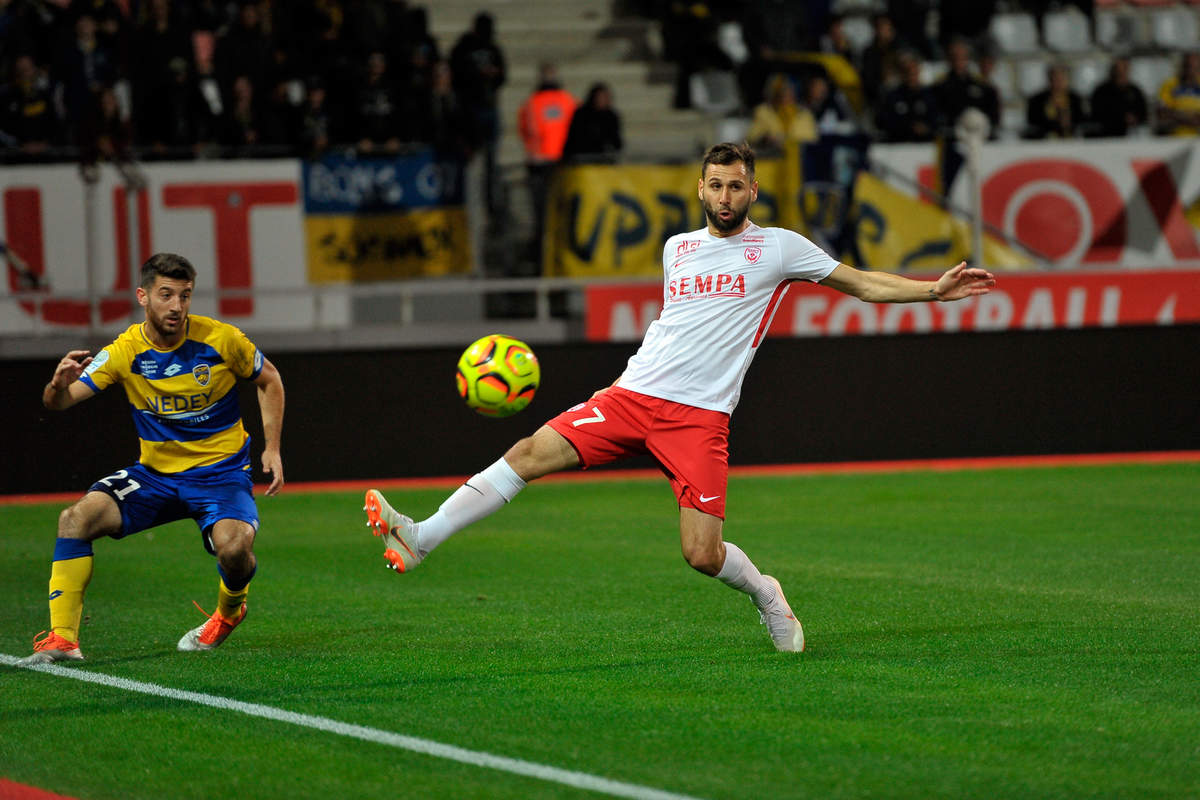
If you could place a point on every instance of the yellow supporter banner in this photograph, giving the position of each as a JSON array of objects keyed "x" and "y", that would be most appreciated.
[
  {"x": 898, "y": 231},
  {"x": 605, "y": 220},
  {"x": 377, "y": 247}
]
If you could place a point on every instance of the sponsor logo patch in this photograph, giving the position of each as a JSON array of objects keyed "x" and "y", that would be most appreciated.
[
  {"x": 100, "y": 359},
  {"x": 172, "y": 370}
]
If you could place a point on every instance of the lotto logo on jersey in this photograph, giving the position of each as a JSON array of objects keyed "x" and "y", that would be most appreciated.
[{"x": 694, "y": 287}]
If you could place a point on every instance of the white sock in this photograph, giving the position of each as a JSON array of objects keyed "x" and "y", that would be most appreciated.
[
  {"x": 481, "y": 496},
  {"x": 739, "y": 572}
]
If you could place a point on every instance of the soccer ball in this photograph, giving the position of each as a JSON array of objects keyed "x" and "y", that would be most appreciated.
[{"x": 497, "y": 375}]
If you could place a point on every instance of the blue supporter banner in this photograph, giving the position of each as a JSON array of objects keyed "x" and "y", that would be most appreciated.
[
  {"x": 336, "y": 184},
  {"x": 372, "y": 219}
]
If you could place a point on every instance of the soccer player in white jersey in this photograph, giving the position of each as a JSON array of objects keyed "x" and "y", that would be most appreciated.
[{"x": 722, "y": 285}]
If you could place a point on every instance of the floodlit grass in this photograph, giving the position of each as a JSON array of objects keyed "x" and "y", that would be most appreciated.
[{"x": 1010, "y": 633}]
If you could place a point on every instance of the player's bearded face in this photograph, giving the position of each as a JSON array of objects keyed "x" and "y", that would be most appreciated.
[
  {"x": 167, "y": 303},
  {"x": 726, "y": 193}
]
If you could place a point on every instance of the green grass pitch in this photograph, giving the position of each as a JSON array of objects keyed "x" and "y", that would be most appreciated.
[{"x": 1019, "y": 633}]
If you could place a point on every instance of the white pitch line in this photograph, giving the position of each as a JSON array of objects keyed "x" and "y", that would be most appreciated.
[{"x": 476, "y": 758}]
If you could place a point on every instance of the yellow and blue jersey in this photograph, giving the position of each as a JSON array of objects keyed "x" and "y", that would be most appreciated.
[
  {"x": 1184, "y": 97},
  {"x": 184, "y": 403}
]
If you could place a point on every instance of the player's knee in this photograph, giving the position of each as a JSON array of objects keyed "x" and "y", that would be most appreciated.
[
  {"x": 703, "y": 557},
  {"x": 238, "y": 542},
  {"x": 78, "y": 521}
]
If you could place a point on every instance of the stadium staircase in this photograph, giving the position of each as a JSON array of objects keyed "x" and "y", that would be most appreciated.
[{"x": 588, "y": 41}]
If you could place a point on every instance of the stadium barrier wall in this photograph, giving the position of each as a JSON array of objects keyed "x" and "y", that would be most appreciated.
[{"x": 379, "y": 414}]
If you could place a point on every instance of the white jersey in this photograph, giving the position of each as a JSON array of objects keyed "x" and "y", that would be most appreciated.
[{"x": 719, "y": 295}]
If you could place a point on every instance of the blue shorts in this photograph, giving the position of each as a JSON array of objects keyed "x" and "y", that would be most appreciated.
[{"x": 148, "y": 499}]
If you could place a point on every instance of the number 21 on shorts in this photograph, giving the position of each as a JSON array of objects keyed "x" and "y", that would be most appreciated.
[{"x": 121, "y": 475}]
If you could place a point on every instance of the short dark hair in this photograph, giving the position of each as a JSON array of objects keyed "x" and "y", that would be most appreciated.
[
  {"x": 727, "y": 153},
  {"x": 168, "y": 265}
]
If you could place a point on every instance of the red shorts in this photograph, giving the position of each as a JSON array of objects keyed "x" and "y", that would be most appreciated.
[{"x": 690, "y": 444}]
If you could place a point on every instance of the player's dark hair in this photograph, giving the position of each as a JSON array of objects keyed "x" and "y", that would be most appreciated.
[
  {"x": 727, "y": 153},
  {"x": 168, "y": 265}
]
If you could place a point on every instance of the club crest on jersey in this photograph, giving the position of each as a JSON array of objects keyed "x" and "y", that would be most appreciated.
[
  {"x": 753, "y": 254},
  {"x": 202, "y": 374}
]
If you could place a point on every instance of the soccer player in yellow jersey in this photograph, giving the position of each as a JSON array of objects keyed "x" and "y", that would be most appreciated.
[{"x": 180, "y": 373}]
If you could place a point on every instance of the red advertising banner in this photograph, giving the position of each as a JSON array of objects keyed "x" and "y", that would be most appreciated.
[{"x": 1037, "y": 301}]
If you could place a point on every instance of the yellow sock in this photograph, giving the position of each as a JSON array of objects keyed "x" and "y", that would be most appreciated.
[
  {"x": 229, "y": 603},
  {"x": 68, "y": 580}
]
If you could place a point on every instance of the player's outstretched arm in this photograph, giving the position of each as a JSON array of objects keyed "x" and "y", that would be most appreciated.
[
  {"x": 65, "y": 389},
  {"x": 885, "y": 287},
  {"x": 270, "y": 405}
]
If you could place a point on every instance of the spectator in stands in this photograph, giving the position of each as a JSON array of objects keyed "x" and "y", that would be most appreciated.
[
  {"x": 106, "y": 136},
  {"x": 835, "y": 41},
  {"x": 880, "y": 59},
  {"x": 908, "y": 113},
  {"x": 775, "y": 31},
  {"x": 27, "y": 115},
  {"x": 543, "y": 121},
  {"x": 961, "y": 89},
  {"x": 689, "y": 31},
  {"x": 1056, "y": 111},
  {"x": 83, "y": 67},
  {"x": 413, "y": 54},
  {"x": 375, "y": 110},
  {"x": 159, "y": 42},
  {"x": 314, "y": 133},
  {"x": 479, "y": 70},
  {"x": 780, "y": 119},
  {"x": 1179, "y": 99},
  {"x": 829, "y": 106},
  {"x": 595, "y": 132},
  {"x": 240, "y": 127},
  {"x": 175, "y": 119},
  {"x": 244, "y": 50},
  {"x": 1118, "y": 105},
  {"x": 447, "y": 125},
  {"x": 990, "y": 104}
]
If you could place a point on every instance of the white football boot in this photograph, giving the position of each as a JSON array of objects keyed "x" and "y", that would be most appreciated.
[
  {"x": 782, "y": 624},
  {"x": 400, "y": 546}
]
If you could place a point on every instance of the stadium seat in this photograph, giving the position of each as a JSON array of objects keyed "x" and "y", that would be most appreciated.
[
  {"x": 714, "y": 91},
  {"x": 1012, "y": 121},
  {"x": 847, "y": 7},
  {"x": 859, "y": 31},
  {"x": 1149, "y": 72},
  {"x": 1120, "y": 29},
  {"x": 1005, "y": 79},
  {"x": 1088, "y": 73},
  {"x": 731, "y": 129},
  {"x": 1031, "y": 76},
  {"x": 1174, "y": 28},
  {"x": 1152, "y": 3},
  {"x": 1066, "y": 31},
  {"x": 1015, "y": 34},
  {"x": 732, "y": 43},
  {"x": 933, "y": 71}
]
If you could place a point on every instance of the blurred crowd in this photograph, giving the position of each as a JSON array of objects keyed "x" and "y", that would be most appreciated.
[
  {"x": 921, "y": 66},
  {"x": 183, "y": 78},
  {"x": 101, "y": 79}
]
